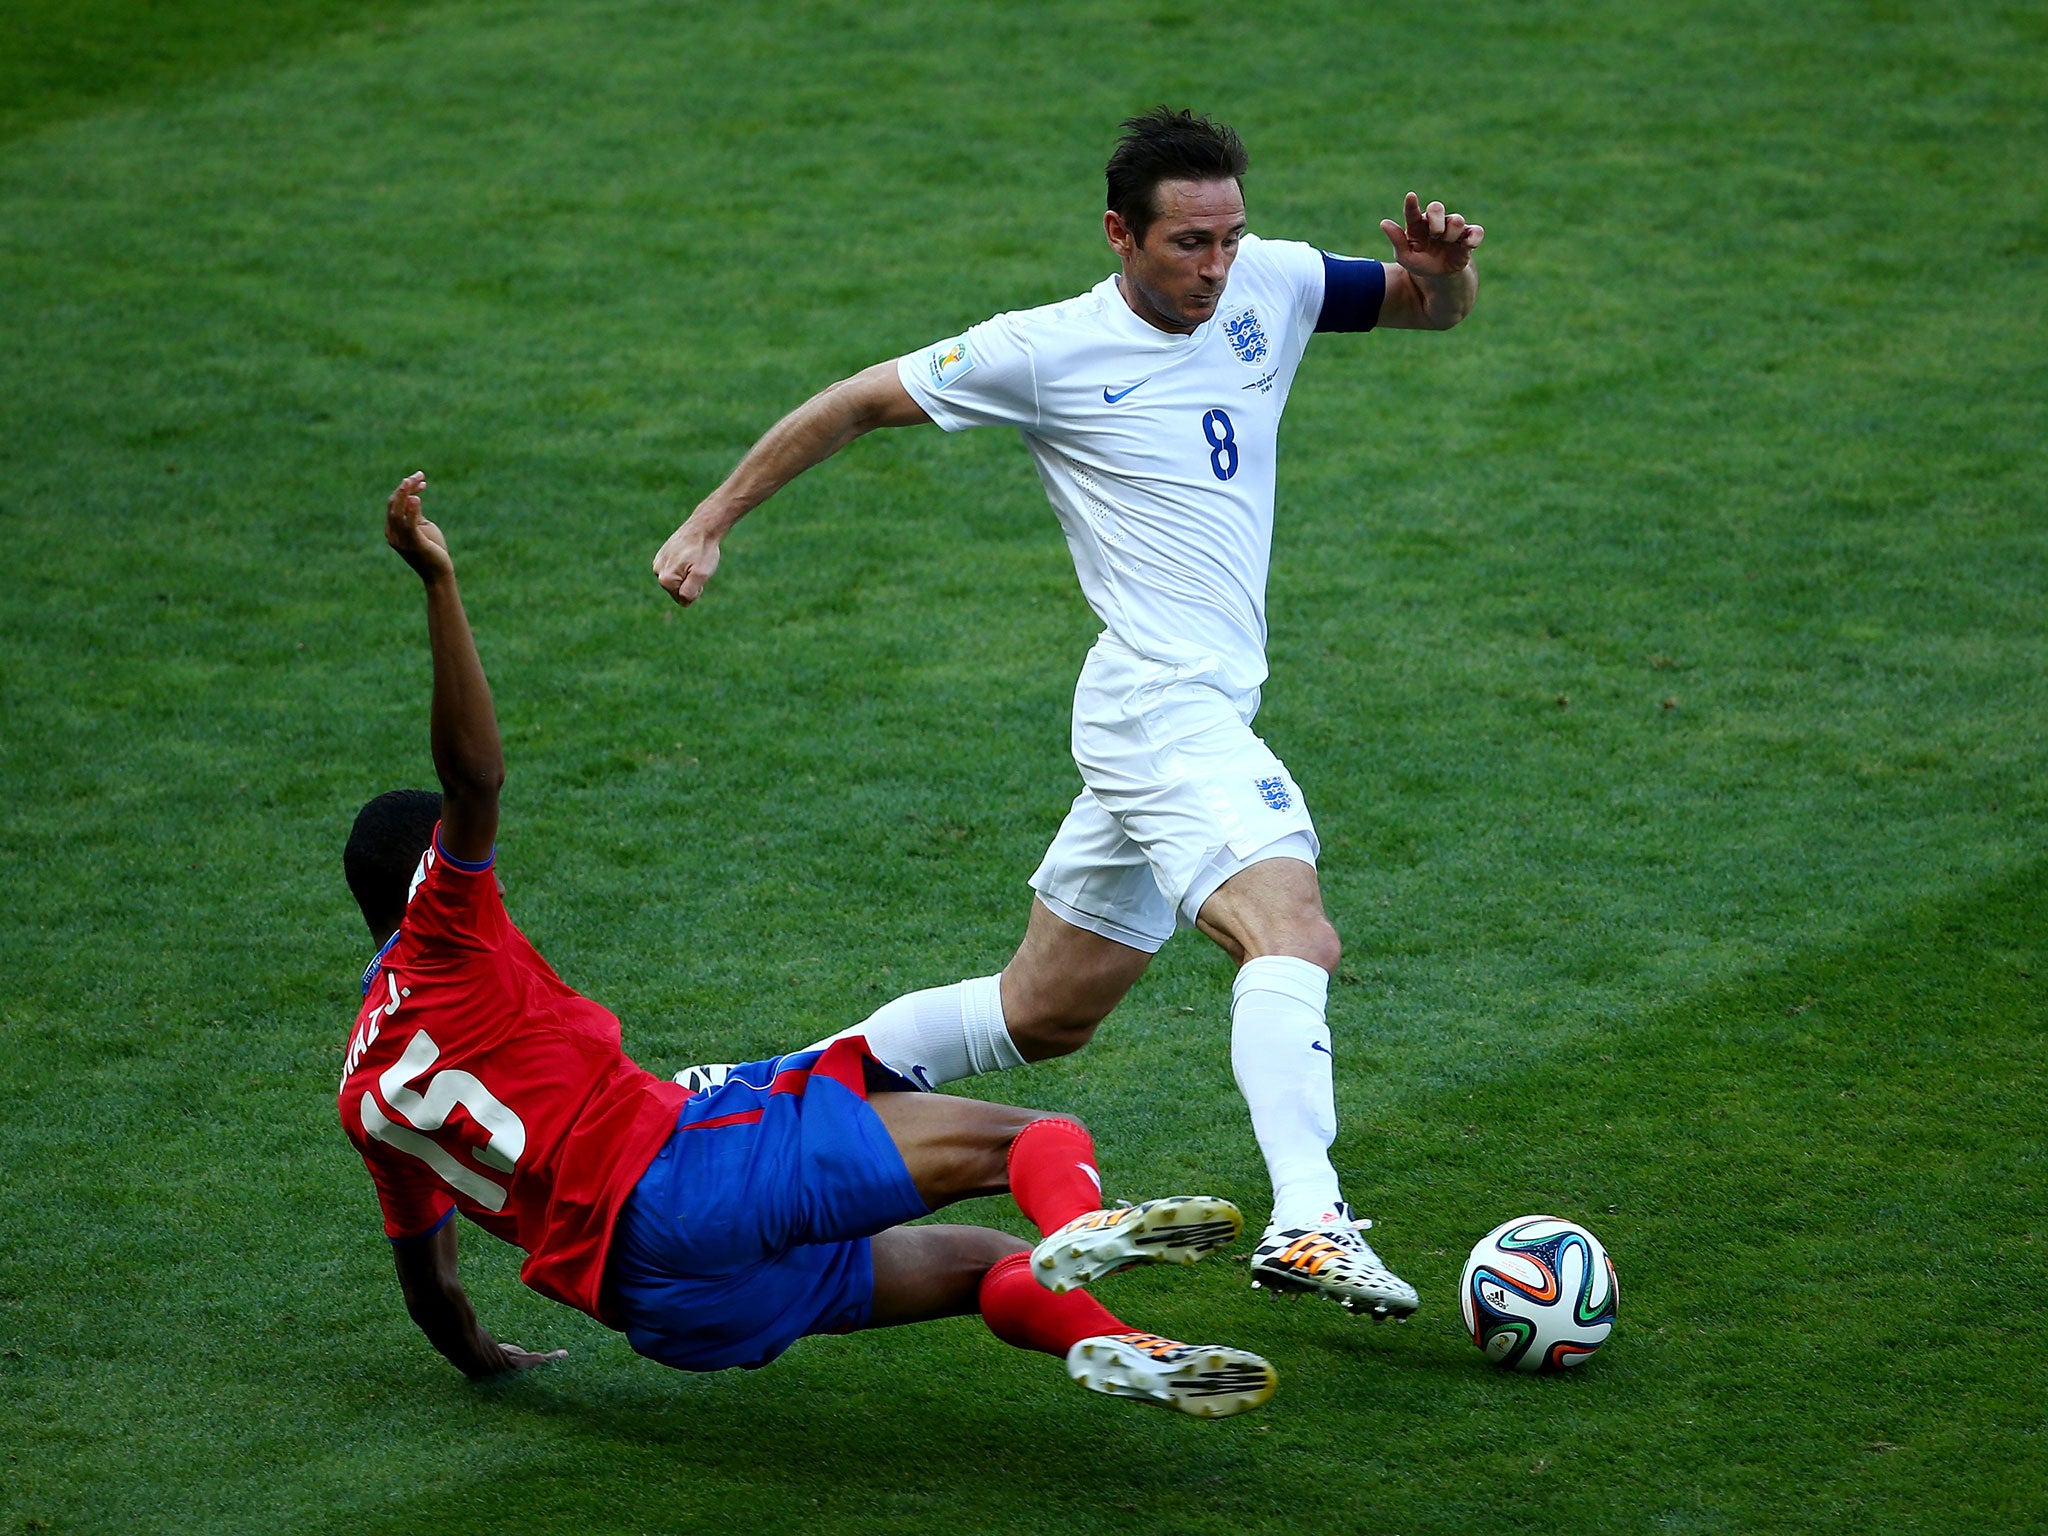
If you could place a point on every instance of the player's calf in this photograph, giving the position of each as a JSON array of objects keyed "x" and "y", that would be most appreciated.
[
  {"x": 956, "y": 1148},
  {"x": 1055, "y": 1182}
]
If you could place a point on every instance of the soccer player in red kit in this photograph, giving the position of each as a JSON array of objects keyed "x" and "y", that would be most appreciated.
[{"x": 714, "y": 1229}]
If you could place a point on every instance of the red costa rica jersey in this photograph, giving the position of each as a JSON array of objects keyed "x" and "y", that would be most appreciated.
[{"x": 477, "y": 1081}]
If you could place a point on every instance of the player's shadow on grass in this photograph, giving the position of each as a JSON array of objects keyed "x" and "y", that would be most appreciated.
[{"x": 951, "y": 1433}]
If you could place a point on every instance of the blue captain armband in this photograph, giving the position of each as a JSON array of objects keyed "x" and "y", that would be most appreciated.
[{"x": 1353, "y": 291}]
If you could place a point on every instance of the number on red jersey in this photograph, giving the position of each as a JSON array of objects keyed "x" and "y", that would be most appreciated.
[{"x": 429, "y": 1111}]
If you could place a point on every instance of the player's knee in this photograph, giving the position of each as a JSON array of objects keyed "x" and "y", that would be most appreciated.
[
  {"x": 1322, "y": 946},
  {"x": 1309, "y": 938}
]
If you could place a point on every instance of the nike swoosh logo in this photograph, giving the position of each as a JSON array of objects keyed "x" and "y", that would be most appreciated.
[
  {"x": 1317, "y": 1045},
  {"x": 1109, "y": 399}
]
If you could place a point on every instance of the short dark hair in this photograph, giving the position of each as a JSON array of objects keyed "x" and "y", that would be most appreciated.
[
  {"x": 1165, "y": 145},
  {"x": 384, "y": 848}
]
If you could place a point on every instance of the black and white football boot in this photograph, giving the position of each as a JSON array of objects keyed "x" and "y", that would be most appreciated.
[
  {"x": 704, "y": 1078},
  {"x": 1209, "y": 1381},
  {"x": 1333, "y": 1259}
]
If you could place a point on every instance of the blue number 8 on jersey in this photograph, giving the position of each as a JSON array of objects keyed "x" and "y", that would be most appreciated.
[{"x": 1222, "y": 444}]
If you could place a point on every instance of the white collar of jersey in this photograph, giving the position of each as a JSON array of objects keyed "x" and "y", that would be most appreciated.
[
  {"x": 1127, "y": 320},
  {"x": 376, "y": 964}
]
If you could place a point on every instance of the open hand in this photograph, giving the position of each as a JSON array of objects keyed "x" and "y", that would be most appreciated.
[
  {"x": 1433, "y": 243},
  {"x": 418, "y": 540},
  {"x": 517, "y": 1359}
]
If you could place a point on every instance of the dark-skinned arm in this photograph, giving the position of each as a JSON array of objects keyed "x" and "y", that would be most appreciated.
[
  {"x": 436, "y": 1301},
  {"x": 470, "y": 762},
  {"x": 468, "y": 756}
]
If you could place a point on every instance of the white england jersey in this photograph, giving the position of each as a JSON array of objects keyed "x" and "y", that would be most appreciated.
[{"x": 1157, "y": 450}]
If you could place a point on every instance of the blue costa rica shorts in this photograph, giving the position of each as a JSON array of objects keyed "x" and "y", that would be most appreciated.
[{"x": 750, "y": 1228}]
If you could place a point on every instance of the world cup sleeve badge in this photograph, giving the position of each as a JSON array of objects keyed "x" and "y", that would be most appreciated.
[
  {"x": 1247, "y": 336},
  {"x": 948, "y": 361}
]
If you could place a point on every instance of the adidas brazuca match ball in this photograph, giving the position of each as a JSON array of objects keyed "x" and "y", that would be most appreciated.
[{"x": 1539, "y": 1294}]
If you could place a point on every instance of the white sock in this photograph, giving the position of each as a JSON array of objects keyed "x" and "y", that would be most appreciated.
[
  {"x": 1280, "y": 1053},
  {"x": 942, "y": 1034}
]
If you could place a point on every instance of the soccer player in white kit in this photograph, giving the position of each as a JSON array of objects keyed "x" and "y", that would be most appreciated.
[{"x": 1151, "y": 406}]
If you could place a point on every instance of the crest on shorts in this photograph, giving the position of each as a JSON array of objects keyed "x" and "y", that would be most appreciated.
[
  {"x": 1247, "y": 336},
  {"x": 1276, "y": 794}
]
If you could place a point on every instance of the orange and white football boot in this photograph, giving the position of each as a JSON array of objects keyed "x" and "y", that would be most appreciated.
[{"x": 1333, "y": 1259}]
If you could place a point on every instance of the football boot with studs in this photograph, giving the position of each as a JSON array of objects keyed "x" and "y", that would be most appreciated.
[
  {"x": 1177, "y": 1230},
  {"x": 704, "y": 1078},
  {"x": 1209, "y": 1381},
  {"x": 1333, "y": 1259}
]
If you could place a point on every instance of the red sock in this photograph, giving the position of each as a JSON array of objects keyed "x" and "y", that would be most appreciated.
[
  {"x": 1020, "y": 1311},
  {"x": 1052, "y": 1172}
]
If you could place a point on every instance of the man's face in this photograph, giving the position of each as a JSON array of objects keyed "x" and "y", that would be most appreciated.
[{"x": 1174, "y": 277}]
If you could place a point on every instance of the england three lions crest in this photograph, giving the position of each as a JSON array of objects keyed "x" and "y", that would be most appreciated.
[{"x": 1247, "y": 336}]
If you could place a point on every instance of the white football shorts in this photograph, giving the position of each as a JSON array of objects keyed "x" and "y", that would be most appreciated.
[{"x": 1180, "y": 796}]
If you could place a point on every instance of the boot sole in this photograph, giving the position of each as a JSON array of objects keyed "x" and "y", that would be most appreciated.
[
  {"x": 1214, "y": 1382},
  {"x": 1180, "y": 1229}
]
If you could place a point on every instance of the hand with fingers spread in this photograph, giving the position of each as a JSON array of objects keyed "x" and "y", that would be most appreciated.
[
  {"x": 517, "y": 1359},
  {"x": 1433, "y": 243},
  {"x": 418, "y": 540}
]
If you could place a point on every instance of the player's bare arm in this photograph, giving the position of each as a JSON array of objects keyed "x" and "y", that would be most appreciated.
[
  {"x": 470, "y": 762},
  {"x": 435, "y": 1300},
  {"x": 468, "y": 756},
  {"x": 1434, "y": 285},
  {"x": 809, "y": 435}
]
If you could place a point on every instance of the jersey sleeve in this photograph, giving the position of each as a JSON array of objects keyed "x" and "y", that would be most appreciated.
[
  {"x": 986, "y": 377},
  {"x": 1331, "y": 293},
  {"x": 1300, "y": 269},
  {"x": 454, "y": 902},
  {"x": 413, "y": 1201}
]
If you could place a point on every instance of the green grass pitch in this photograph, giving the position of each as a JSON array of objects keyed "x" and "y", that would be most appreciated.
[{"x": 1662, "y": 654}]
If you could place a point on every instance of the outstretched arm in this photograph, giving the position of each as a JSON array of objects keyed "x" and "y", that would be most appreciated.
[
  {"x": 468, "y": 756},
  {"x": 435, "y": 1299},
  {"x": 810, "y": 434},
  {"x": 1434, "y": 285}
]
